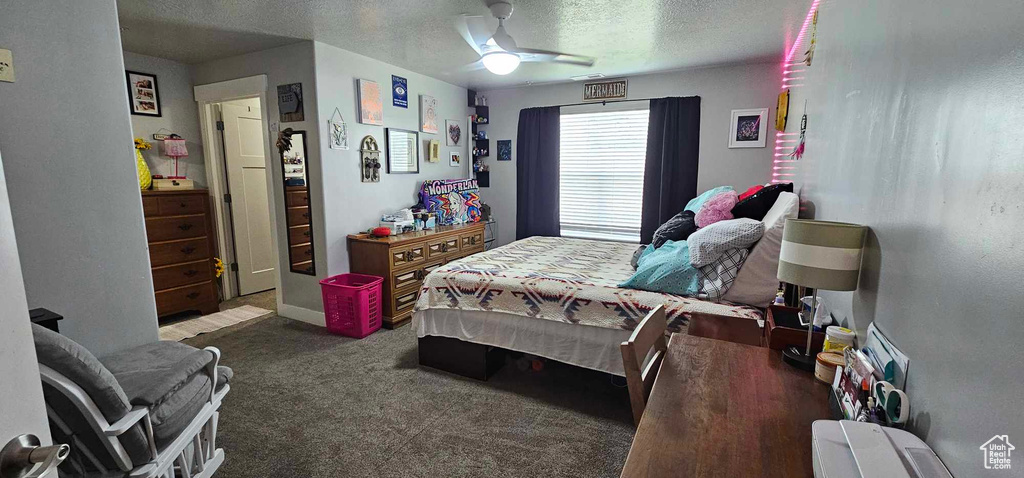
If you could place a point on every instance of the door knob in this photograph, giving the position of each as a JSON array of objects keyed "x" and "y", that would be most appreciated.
[{"x": 22, "y": 457}]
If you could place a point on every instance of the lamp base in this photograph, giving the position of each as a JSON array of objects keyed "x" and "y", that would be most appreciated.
[{"x": 794, "y": 356}]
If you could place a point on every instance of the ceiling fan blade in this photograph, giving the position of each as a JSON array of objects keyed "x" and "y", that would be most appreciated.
[
  {"x": 473, "y": 29},
  {"x": 475, "y": 66},
  {"x": 503, "y": 39},
  {"x": 530, "y": 54}
]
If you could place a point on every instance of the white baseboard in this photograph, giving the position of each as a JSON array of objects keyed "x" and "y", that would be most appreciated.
[{"x": 301, "y": 314}]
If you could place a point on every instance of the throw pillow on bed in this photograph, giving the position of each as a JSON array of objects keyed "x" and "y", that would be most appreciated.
[
  {"x": 718, "y": 208},
  {"x": 665, "y": 269},
  {"x": 718, "y": 276},
  {"x": 695, "y": 203},
  {"x": 757, "y": 205},
  {"x": 676, "y": 229},
  {"x": 710, "y": 243},
  {"x": 757, "y": 281}
]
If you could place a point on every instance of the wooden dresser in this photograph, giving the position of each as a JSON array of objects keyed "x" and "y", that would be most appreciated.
[
  {"x": 404, "y": 260},
  {"x": 181, "y": 250}
]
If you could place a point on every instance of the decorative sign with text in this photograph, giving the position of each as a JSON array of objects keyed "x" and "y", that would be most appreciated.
[
  {"x": 399, "y": 91},
  {"x": 604, "y": 90}
]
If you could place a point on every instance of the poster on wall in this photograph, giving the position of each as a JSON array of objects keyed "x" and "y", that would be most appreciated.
[
  {"x": 504, "y": 150},
  {"x": 748, "y": 128},
  {"x": 455, "y": 201},
  {"x": 371, "y": 107},
  {"x": 289, "y": 102},
  {"x": 399, "y": 91},
  {"x": 142, "y": 93},
  {"x": 337, "y": 130},
  {"x": 428, "y": 114}
]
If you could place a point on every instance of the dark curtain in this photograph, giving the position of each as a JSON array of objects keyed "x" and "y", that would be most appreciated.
[
  {"x": 537, "y": 173},
  {"x": 670, "y": 174}
]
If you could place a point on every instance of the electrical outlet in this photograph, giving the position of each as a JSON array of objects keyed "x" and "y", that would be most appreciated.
[{"x": 6, "y": 66}]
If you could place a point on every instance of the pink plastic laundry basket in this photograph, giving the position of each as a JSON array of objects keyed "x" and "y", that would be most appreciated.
[{"x": 352, "y": 304}]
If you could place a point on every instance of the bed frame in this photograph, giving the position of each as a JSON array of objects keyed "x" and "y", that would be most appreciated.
[{"x": 461, "y": 358}]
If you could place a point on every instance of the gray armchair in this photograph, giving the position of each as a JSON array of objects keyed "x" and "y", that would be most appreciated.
[{"x": 150, "y": 411}]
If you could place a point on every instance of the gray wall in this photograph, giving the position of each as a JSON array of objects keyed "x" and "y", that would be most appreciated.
[
  {"x": 179, "y": 115},
  {"x": 283, "y": 65},
  {"x": 722, "y": 89},
  {"x": 67, "y": 145},
  {"x": 351, "y": 205},
  {"x": 914, "y": 129}
]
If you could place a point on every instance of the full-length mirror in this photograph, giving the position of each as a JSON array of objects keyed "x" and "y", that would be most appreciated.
[
  {"x": 403, "y": 151},
  {"x": 298, "y": 212}
]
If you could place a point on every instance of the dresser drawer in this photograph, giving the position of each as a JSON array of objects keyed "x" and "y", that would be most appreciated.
[
  {"x": 440, "y": 247},
  {"x": 301, "y": 253},
  {"x": 470, "y": 240},
  {"x": 175, "y": 252},
  {"x": 150, "y": 206},
  {"x": 198, "y": 296},
  {"x": 296, "y": 198},
  {"x": 404, "y": 301},
  {"x": 182, "y": 274},
  {"x": 299, "y": 234},
  {"x": 408, "y": 255},
  {"x": 175, "y": 227},
  {"x": 305, "y": 266},
  {"x": 401, "y": 280},
  {"x": 180, "y": 205},
  {"x": 298, "y": 215}
]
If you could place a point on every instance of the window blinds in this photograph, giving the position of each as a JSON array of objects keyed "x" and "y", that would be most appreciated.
[{"x": 601, "y": 167}]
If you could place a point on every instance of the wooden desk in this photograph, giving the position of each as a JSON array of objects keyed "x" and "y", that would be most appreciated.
[{"x": 721, "y": 409}]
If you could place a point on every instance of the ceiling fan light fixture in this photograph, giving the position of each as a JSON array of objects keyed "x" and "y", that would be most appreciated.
[{"x": 501, "y": 62}]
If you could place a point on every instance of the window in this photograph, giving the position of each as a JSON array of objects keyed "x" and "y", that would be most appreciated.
[{"x": 601, "y": 167}]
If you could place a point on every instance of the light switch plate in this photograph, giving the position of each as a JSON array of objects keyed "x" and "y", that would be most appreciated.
[{"x": 6, "y": 66}]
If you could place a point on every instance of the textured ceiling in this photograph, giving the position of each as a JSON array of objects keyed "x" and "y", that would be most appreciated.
[{"x": 626, "y": 36}]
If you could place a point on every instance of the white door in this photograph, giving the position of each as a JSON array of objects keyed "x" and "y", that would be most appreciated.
[
  {"x": 250, "y": 206},
  {"x": 21, "y": 395}
]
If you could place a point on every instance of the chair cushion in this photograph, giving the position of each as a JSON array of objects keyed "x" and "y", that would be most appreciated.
[
  {"x": 169, "y": 378},
  {"x": 757, "y": 281}
]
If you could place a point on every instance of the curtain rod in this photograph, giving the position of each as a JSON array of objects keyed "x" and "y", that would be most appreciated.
[{"x": 603, "y": 102}]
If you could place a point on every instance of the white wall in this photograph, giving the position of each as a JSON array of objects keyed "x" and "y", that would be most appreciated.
[
  {"x": 721, "y": 89},
  {"x": 284, "y": 65},
  {"x": 70, "y": 164},
  {"x": 914, "y": 111},
  {"x": 353, "y": 206},
  {"x": 179, "y": 114}
]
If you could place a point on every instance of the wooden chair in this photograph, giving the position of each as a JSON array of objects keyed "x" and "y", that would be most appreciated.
[{"x": 648, "y": 339}]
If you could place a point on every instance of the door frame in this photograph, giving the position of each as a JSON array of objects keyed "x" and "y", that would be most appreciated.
[{"x": 208, "y": 96}]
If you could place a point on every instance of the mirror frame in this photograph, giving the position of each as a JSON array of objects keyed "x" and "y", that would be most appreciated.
[
  {"x": 311, "y": 270},
  {"x": 387, "y": 146}
]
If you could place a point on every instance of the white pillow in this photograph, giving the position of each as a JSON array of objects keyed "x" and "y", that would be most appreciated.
[
  {"x": 757, "y": 281},
  {"x": 710, "y": 243}
]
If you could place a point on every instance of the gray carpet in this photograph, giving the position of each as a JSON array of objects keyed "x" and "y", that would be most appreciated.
[{"x": 310, "y": 404}]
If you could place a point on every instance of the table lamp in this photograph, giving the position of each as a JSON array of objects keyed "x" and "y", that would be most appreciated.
[
  {"x": 174, "y": 146},
  {"x": 822, "y": 255}
]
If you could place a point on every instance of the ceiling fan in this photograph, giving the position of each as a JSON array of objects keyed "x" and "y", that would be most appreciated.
[{"x": 498, "y": 51}]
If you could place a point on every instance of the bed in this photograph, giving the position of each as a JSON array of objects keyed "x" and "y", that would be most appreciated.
[{"x": 553, "y": 297}]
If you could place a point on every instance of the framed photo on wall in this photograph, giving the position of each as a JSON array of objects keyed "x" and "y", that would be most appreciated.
[
  {"x": 748, "y": 128},
  {"x": 289, "y": 102},
  {"x": 143, "y": 96}
]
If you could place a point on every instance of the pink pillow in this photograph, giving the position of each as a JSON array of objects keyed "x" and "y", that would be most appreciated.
[{"x": 718, "y": 208}]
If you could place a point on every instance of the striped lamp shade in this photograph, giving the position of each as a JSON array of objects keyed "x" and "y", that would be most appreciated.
[{"x": 821, "y": 254}]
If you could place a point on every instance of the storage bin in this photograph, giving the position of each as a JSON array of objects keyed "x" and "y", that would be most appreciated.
[{"x": 352, "y": 304}]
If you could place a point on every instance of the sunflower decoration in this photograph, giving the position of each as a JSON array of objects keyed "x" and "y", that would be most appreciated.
[
  {"x": 143, "y": 145},
  {"x": 218, "y": 267}
]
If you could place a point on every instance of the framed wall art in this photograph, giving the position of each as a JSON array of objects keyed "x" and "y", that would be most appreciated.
[
  {"x": 371, "y": 107},
  {"x": 289, "y": 102},
  {"x": 504, "y": 150},
  {"x": 454, "y": 133},
  {"x": 428, "y": 114},
  {"x": 748, "y": 128},
  {"x": 143, "y": 96},
  {"x": 399, "y": 91}
]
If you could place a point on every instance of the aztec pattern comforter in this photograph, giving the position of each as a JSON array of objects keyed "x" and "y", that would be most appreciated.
[{"x": 560, "y": 279}]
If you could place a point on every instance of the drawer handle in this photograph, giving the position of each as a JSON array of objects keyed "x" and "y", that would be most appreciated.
[
  {"x": 418, "y": 275},
  {"x": 183, "y": 205},
  {"x": 309, "y": 268},
  {"x": 185, "y": 227},
  {"x": 444, "y": 247},
  {"x": 305, "y": 215},
  {"x": 191, "y": 272},
  {"x": 192, "y": 295},
  {"x": 188, "y": 250},
  {"x": 306, "y": 233},
  {"x": 309, "y": 251},
  {"x": 305, "y": 199}
]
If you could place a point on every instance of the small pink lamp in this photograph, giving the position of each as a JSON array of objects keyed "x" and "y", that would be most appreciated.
[{"x": 174, "y": 146}]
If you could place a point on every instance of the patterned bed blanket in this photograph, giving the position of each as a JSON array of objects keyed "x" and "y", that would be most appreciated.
[{"x": 560, "y": 279}]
